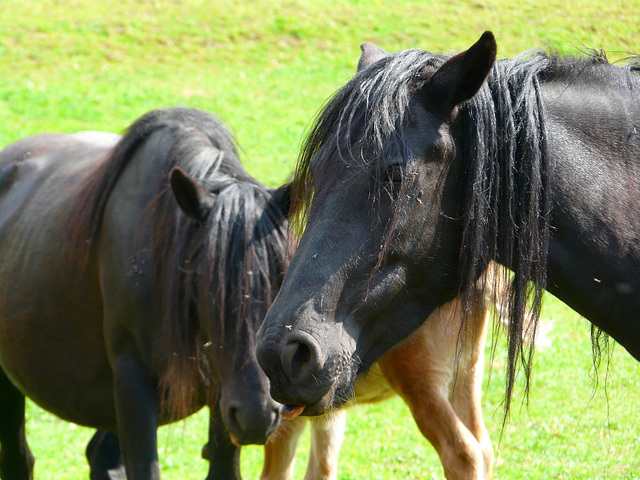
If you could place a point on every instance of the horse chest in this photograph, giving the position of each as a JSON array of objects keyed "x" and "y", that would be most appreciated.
[{"x": 372, "y": 387}]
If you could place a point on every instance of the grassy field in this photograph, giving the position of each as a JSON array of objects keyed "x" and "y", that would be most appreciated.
[{"x": 266, "y": 68}]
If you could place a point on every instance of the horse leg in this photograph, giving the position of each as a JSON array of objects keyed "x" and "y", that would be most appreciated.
[
  {"x": 327, "y": 433},
  {"x": 105, "y": 458},
  {"x": 223, "y": 455},
  {"x": 280, "y": 450},
  {"x": 466, "y": 397},
  {"x": 137, "y": 411},
  {"x": 420, "y": 370},
  {"x": 16, "y": 460}
]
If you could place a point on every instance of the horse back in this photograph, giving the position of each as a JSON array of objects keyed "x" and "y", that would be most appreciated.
[{"x": 48, "y": 158}]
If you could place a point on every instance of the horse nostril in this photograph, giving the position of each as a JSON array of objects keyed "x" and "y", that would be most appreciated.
[{"x": 300, "y": 357}]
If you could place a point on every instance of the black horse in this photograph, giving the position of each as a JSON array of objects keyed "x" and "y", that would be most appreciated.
[
  {"x": 423, "y": 169},
  {"x": 134, "y": 278}
]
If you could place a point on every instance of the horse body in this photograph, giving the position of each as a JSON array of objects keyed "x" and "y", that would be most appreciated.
[
  {"x": 130, "y": 301},
  {"x": 37, "y": 309},
  {"x": 422, "y": 170}
]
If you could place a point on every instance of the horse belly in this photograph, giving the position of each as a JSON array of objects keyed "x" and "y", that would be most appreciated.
[
  {"x": 51, "y": 337},
  {"x": 56, "y": 357}
]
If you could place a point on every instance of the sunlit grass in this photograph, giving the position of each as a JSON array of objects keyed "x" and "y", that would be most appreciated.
[{"x": 266, "y": 68}]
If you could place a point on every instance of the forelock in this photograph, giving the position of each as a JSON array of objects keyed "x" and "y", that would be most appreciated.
[
  {"x": 363, "y": 124},
  {"x": 366, "y": 121}
]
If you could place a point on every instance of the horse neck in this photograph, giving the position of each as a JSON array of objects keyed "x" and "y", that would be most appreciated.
[
  {"x": 600, "y": 118},
  {"x": 594, "y": 146}
]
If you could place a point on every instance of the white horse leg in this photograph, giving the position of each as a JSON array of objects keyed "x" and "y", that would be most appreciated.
[
  {"x": 280, "y": 450},
  {"x": 327, "y": 433}
]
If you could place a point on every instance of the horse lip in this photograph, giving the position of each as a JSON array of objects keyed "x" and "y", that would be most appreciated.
[
  {"x": 234, "y": 440},
  {"x": 258, "y": 437},
  {"x": 317, "y": 408},
  {"x": 291, "y": 411}
]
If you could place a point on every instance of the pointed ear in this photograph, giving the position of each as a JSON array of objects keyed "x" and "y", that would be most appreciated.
[
  {"x": 193, "y": 199},
  {"x": 282, "y": 198},
  {"x": 370, "y": 54},
  {"x": 460, "y": 77}
]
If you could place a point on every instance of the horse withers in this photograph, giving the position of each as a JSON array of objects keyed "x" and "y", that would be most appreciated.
[
  {"x": 134, "y": 277},
  {"x": 424, "y": 168}
]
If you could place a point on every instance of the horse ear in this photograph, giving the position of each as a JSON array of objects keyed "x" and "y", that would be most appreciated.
[
  {"x": 193, "y": 199},
  {"x": 282, "y": 197},
  {"x": 370, "y": 54},
  {"x": 460, "y": 77}
]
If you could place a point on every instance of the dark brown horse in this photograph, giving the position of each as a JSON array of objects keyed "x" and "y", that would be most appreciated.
[
  {"x": 134, "y": 276},
  {"x": 426, "y": 167}
]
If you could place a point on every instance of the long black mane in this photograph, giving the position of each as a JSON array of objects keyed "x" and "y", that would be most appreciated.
[
  {"x": 236, "y": 256},
  {"x": 503, "y": 140}
]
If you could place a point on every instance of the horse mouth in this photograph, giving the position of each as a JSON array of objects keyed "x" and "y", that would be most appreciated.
[
  {"x": 291, "y": 412},
  {"x": 328, "y": 402},
  {"x": 315, "y": 409}
]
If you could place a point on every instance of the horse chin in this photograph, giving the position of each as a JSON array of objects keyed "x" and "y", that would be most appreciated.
[
  {"x": 257, "y": 436},
  {"x": 249, "y": 416},
  {"x": 340, "y": 393}
]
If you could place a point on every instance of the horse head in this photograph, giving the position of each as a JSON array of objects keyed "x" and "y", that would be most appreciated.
[
  {"x": 380, "y": 198},
  {"x": 237, "y": 267}
]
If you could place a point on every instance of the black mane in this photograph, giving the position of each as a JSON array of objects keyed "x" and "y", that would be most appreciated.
[{"x": 502, "y": 130}]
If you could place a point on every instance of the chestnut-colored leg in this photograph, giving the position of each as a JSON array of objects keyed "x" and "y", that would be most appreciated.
[
  {"x": 466, "y": 396},
  {"x": 422, "y": 369}
]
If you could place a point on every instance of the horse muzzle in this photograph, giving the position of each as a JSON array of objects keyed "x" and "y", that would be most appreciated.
[
  {"x": 250, "y": 424},
  {"x": 306, "y": 369}
]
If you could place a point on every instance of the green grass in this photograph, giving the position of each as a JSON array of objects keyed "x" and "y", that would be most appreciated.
[{"x": 266, "y": 68}]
